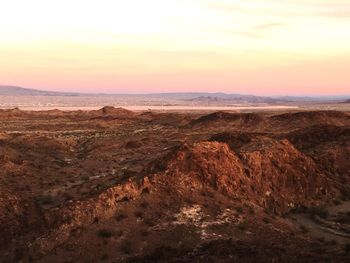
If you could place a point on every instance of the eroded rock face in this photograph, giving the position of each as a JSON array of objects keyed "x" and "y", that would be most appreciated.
[
  {"x": 276, "y": 175},
  {"x": 286, "y": 177}
]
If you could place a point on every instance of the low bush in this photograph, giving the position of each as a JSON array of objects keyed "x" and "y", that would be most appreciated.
[
  {"x": 318, "y": 211},
  {"x": 121, "y": 216},
  {"x": 105, "y": 233},
  {"x": 347, "y": 248},
  {"x": 126, "y": 247},
  {"x": 304, "y": 229},
  {"x": 44, "y": 199}
]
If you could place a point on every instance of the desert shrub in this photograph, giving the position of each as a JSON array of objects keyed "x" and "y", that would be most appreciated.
[
  {"x": 44, "y": 199},
  {"x": 251, "y": 210},
  {"x": 145, "y": 190},
  {"x": 105, "y": 233},
  {"x": 242, "y": 225},
  {"x": 85, "y": 178},
  {"x": 149, "y": 222},
  {"x": 336, "y": 201},
  {"x": 347, "y": 248},
  {"x": 266, "y": 220},
  {"x": 133, "y": 144},
  {"x": 124, "y": 199},
  {"x": 346, "y": 194},
  {"x": 144, "y": 204},
  {"x": 321, "y": 239},
  {"x": 239, "y": 209},
  {"x": 144, "y": 233},
  {"x": 304, "y": 229},
  {"x": 164, "y": 252},
  {"x": 138, "y": 214},
  {"x": 210, "y": 194},
  {"x": 318, "y": 211},
  {"x": 121, "y": 216},
  {"x": 67, "y": 196},
  {"x": 126, "y": 247},
  {"x": 332, "y": 242},
  {"x": 119, "y": 233},
  {"x": 344, "y": 218}
]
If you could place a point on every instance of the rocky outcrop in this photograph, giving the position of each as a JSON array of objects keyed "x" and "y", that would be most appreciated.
[
  {"x": 237, "y": 118},
  {"x": 274, "y": 175},
  {"x": 117, "y": 112}
]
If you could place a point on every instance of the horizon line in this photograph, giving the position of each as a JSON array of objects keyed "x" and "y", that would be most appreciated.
[{"x": 179, "y": 92}]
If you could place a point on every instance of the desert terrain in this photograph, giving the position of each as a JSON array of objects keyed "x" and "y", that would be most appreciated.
[{"x": 114, "y": 185}]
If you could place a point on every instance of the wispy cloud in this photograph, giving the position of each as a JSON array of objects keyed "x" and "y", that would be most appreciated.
[
  {"x": 259, "y": 31},
  {"x": 249, "y": 34},
  {"x": 270, "y": 26},
  {"x": 345, "y": 13},
  {"x": 326, "y": 8}
]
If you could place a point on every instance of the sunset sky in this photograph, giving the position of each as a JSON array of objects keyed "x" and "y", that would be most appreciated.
[{"x": 270, "y": 47}]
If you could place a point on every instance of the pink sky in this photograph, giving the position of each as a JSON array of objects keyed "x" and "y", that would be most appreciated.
[{"x": 299, "y": 47}]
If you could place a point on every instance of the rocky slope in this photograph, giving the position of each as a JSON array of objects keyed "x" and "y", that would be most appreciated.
[{"x": 144, "y": 188}]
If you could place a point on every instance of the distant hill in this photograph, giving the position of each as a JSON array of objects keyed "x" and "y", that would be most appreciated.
[
  {"x": 215, "y": 97},
  {"x": 219, "y": 97},
  {"x": 201, "y": 98},
  {"x": 19, "y": 91},
  {"x": 237, "y": 99}
]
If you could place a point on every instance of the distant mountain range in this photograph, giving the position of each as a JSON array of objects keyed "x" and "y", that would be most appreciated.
[
  {"x": 236, "y": 98},
  {"x": 19, "y": 91},
  {"x": 192, "y": 97}
]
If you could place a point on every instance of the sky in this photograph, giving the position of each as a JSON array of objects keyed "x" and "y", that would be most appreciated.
[{"x": 270, "y": 47}]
